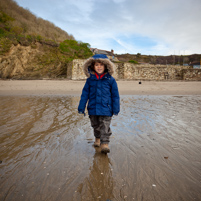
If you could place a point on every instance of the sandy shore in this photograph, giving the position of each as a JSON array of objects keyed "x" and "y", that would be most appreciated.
[{"x": 69, "y": 87}]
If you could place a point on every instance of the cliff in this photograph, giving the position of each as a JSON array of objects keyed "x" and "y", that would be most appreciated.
[
  {"x": 40, "y": 60},
  {"x": 33, "y": 48},
  {"x": 24, "y": 62}
]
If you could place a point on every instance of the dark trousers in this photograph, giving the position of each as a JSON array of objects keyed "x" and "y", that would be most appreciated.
[{"x": 101, "y": 126}]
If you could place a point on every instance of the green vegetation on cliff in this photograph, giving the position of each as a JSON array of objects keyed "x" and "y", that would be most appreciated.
[
  {"x": 75, "y": 49},
  {"x": 133, "y": 61},
  {"x": 54, "y": 62}
]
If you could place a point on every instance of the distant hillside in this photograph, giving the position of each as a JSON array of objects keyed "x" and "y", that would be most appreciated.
[
  {"x": 22, "y": 21},
  {"x": 172, "y": 59}
]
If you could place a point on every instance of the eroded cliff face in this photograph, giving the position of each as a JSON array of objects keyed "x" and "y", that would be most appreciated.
[
  {"x": 20, "y": 62},
  {"x": 32, "y": 62}
]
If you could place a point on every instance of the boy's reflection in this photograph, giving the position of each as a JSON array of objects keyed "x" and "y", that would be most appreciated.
[{"x": 99, "y": 184}]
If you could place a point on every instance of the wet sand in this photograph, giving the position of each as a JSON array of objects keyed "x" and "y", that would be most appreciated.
[
  {"x": 70, "y": 87},
  {"x": 46, "y": 150}
]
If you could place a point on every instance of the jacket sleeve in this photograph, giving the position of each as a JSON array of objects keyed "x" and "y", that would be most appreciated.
[
  {"x": 115, "y": 97},
  {"x": 84, "y": 98}
]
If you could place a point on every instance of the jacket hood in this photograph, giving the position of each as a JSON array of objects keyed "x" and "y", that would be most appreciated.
[{"x": 87, "y": 68}]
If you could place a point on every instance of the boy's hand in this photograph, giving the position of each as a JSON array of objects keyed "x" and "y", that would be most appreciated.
[{"x": 80, "y": 112}]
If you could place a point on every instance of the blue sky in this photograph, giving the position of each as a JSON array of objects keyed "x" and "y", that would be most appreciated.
[{"x": 152, "y": 27}]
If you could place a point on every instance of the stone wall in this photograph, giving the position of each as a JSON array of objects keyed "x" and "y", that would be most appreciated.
[
  {"x": 130, "y": 71},
  {"x": 77, "y": 71},
  {"x": 69, "y": 70},
  {"x": 152, "y": 72},
  {"x": 192, "y": 74}
]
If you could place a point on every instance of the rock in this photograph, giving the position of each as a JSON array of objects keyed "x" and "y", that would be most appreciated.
[{"x": 17, "y": 61}]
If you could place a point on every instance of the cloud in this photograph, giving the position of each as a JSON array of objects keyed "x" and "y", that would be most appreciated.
[{"x": 148, "y": 26}]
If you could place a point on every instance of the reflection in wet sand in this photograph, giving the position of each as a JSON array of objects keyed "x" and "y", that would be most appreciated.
[
  {"x": 46, "y": 150},
  {"x": 99, "y": 184}
]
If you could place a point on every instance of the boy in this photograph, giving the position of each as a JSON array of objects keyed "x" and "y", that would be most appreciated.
[{"x": 102, "y": 92}]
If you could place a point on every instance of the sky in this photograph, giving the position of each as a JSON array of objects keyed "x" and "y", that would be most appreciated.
[{"x": 149, "y": 27}]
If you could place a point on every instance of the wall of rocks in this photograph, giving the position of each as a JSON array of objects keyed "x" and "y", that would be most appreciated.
[
  {"x": 192, "y": 74},
  {"x": 129, "y": 71}
]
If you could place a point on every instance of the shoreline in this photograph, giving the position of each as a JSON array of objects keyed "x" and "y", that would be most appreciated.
[{"x": 74, "y": 87}]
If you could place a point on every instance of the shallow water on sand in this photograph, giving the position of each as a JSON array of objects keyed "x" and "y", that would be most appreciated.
[{"x": 46, "y": 150}]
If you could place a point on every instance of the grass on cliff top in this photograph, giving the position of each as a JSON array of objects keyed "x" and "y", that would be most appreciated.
[{"x": 31, "y": 24}]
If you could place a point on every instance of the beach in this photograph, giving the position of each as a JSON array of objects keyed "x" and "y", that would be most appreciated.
[
  {"x": 47, "y": 153},
  {"x": 71, "y": 87}
]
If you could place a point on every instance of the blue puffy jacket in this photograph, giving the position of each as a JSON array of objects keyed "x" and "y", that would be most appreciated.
[{"x": 101, "y": 93}]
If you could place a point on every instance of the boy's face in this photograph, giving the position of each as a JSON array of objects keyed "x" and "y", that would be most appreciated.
[{"x": 99, "y": 67}]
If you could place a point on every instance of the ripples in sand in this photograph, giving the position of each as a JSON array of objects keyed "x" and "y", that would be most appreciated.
[{"x": 46, "y": 150}]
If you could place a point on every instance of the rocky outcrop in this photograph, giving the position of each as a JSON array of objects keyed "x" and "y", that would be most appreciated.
[
  {"x": 19, "y": 61},
  {"x": 36, "y": 61}
]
